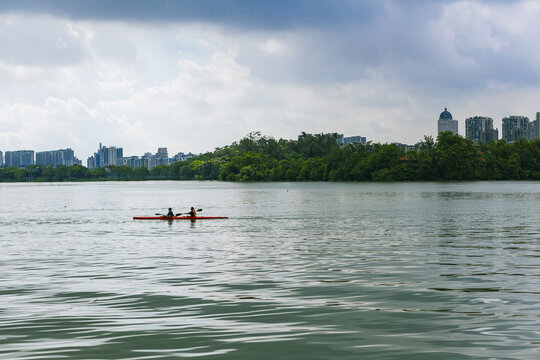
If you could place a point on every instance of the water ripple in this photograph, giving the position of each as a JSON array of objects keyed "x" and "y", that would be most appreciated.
[{"x": 321, "y": 271}]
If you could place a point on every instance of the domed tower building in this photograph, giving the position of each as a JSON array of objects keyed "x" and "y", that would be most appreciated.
[{"x": 447, "y": 123}]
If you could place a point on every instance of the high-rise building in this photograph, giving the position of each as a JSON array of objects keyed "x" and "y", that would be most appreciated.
[
  {"x": 157, "y": 159},
  {"x": 1, "y": 159},
  {"x": 112, "y": 156},
  {"x": 515, "y": 127},
  {"x": 161, "y": 157},
  {"x": 182, "y": 157},
  {"x": 447, "y": 123},
  {"x": 490, "y": 135},
  {"x": 162, "y": 152},
  {"x": 535, "y": 128},
  {"x": 342, "y": 140},
  {"x": 106, "y": 156},
  {"x": 56, "y": 157},
  {"x": 91, "y": 162},
  {"x": 148, "y": 160},
  {"x": 20, "y": 158},
  {"x": 135, "y": 162},
  {"x": 480, "y": 129}
]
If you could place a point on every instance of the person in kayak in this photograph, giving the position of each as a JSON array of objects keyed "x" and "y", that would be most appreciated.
[
  {"x": 170, "y": 213},
  {"x": 192, "y": 213}
]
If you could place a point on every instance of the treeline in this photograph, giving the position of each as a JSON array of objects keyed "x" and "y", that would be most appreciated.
[
  {"x": 319, "y": 158},
  {"x": 75, "y": 173}
]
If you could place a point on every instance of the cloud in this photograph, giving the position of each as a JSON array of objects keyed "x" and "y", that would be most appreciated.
[
  {"x": 79, "y": 73},
  {"x": 29, "y": 126},
  {"x": 43, "y": 43},
  {"x": 253, "y": 14},
  {"x": 205, "y": 105}
]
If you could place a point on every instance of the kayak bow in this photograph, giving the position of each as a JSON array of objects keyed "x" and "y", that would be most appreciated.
[{"x": 178, "y": 217}]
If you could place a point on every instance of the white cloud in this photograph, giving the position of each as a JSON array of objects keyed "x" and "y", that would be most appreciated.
[
  {"x": 55, "y": 124},
  {"x": 274, "y": 46},
  {"x": 40, "y": 41}
]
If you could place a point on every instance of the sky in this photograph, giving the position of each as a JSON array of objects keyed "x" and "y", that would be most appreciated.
[{"x": 195, "y": 75}]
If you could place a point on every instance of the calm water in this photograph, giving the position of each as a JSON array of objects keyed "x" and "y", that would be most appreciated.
[{"x": 299, "y": 271}]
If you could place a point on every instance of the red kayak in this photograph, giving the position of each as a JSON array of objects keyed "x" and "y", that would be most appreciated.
[{"x": 178, "y": 217}]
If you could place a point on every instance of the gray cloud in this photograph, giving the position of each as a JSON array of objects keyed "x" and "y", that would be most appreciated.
[
  {"x": 239, "y": 13},
  {"x": 445, "y": 47},
  {"x": 435, "y": 46}
]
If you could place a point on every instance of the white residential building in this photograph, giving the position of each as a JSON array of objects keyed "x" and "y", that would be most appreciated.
[{"x": 447, "y": 123}]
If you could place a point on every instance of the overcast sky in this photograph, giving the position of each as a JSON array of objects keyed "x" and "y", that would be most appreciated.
[{"x": 195, "y": 75}]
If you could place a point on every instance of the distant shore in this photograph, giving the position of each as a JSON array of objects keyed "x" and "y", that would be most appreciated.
[{"x": 319, "y": 158}]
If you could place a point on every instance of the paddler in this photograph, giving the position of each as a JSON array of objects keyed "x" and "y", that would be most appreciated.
[
  {"x": 170, "y": 213},
  {"x": 192, "y": 213}
]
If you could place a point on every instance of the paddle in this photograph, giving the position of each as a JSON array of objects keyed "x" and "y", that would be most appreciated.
[{"x": 187, "y": 212}]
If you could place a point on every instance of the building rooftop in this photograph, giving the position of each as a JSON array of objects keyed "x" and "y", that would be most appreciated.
[{"x": 445, "y": 115}]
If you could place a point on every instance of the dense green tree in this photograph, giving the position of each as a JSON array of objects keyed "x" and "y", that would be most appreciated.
[
  {"x": 285, "y": 170},
  {"x": 205, "y": 170},
  {"x": 182, "y": 170},
  {"x": 140, "y": 173},
  {"x": 161, "y": 172},
  {"x": 48, "y": 173},
  {"x": 23, "y": 175},
  {"x": 9, "y": 174},
  {"x": 455, "y": 157},
  {"x": 317, "y": 145},
  {"x": 425, "y": 159},
  {"x": 313, "y": 169},
  {"x": 61, "y": 173},
  {"x": 98, "y": 173},
  {"x": 119, "y": 172},
  {"x": 385, "y": 157},
  {"x": 35, "y": 172},
  {"x": 250, "y": 166},
  {"x": 78, "y": 172}
]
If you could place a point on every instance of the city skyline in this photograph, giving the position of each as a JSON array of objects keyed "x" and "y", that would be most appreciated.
[
  {"x": 480, "y": 129},
  {"x": 462, "y": 131},
  {"x": 198, "y": 75}
]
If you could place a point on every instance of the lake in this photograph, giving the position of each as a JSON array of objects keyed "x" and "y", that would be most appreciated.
[{"x": 298, "y": 271}]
